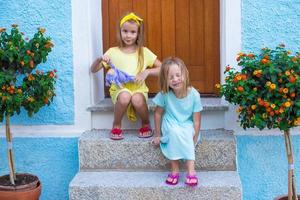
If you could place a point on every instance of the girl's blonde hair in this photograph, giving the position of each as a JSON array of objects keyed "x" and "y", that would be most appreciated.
[
  {"x": 139, "y": 40},
  {"x": 164, "y": 71}
]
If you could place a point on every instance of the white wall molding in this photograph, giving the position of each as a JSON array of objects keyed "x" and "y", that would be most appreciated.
[
  {"x": 231, "y": 43},
  {"x": 97, "y": 79},
  {"x": 44, "y": 131},
  {"x": 231, "y": 38}
]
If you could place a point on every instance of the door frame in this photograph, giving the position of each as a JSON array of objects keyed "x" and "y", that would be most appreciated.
[{"x": 230, "y": 40}]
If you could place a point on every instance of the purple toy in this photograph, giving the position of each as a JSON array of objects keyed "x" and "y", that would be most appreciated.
[{"x": 119, "y": 77}]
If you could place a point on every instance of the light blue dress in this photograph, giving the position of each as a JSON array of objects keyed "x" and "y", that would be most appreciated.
[{"x": 177, "y": 126}]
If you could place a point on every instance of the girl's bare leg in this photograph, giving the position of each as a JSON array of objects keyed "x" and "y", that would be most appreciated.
[
  {"x": 190, "y": 164},
  {"x": 141, "y": 108},
  {"x": 139, "y": 103},
  {"x": 120, "y": 108},
  {"x": 174, "y": 170}
]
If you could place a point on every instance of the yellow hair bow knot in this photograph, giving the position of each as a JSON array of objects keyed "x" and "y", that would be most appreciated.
[{"x": 131, "y": 16}]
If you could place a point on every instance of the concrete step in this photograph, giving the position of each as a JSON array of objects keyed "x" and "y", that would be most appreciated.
[
  {"x": 217, "y": 151},
  {"x": 212, "y": 114},
  {"x": 150, "y": 186}
]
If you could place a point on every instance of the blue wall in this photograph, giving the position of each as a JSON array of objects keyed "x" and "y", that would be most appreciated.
[
  {"x": 56, "y": 18},
  {"x": 266, "y": 23},
  {"x": 262, "y": 166},
  {"x": 261, "y": 160},
  {"x": 53, "y": 160}
]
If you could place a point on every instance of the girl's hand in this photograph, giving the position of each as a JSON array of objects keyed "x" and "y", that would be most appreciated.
[
  {"x": 156, "y": 140},
  {"x": 140, "y": 77},
  {"x": 97, "y": 65},
  {"x": 105, "y": 58},
  {"x": 195, "y": 138}
]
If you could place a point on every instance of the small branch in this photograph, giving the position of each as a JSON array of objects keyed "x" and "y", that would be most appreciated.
[
  {"x": 12, "y": 173},
  {"x": 292, "y": 193}
]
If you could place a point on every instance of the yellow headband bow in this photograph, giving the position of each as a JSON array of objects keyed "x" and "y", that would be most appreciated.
[{"x": 131, "y": 16}]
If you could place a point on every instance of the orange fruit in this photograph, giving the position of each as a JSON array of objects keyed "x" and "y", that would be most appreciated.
[
  {"x": 240, "y": 89},
  {"x": 264, "y": 61},
  {"x": 292, "y": 79}
]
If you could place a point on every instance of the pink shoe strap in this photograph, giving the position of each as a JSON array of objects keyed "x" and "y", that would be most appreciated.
[{"x": 173, "y": 176}]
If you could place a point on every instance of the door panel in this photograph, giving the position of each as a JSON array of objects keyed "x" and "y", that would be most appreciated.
[{"x": 188, "y": 29}]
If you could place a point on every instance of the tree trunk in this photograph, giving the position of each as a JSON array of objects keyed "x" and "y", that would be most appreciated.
[
  {"x": 292, "y": 193},
  {"x": 12, "y": 173}
]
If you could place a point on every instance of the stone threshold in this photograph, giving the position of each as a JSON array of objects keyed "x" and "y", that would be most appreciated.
[{"x": 209, "y": 104}]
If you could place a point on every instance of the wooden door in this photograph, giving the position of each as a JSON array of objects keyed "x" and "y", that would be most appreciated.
[{"x": 188, "y": 29}]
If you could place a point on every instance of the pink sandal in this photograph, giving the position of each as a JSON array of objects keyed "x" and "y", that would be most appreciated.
[
  {"x": 191, "y": 177},
  {"x": 145, "y": 132},
  {"x": 172, "y": 177},
  {"x": 116, "y": 134}
]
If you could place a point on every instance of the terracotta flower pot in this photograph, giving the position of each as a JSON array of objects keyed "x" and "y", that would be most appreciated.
[
  {"x": 31, "y": 191},
  {"x": 284, "y": 197}
]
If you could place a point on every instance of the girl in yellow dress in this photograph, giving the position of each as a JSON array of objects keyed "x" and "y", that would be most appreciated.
[{"x": 132, "y": 58}]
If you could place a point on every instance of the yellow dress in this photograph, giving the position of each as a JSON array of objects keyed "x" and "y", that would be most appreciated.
[{"x": 128, "y": 62}]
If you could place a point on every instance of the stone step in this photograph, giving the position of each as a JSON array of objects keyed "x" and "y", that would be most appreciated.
[
  {"x": 217, "y": 152},
  {"x": 150, "y": 186},
  {"x": 212, "y": 114}
]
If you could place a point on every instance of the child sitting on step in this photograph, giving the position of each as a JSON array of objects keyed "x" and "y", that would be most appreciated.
[
  {"x": 130, "y": 58},
  {"x": 177, "y": 119}
]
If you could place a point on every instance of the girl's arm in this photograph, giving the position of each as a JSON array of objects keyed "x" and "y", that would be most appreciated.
[
  {"x": 197, "y": 125},
  {"x": 97, "y": 64},
  {"x": 157, "y": 121},
  {"x": 154, "y": 71}
]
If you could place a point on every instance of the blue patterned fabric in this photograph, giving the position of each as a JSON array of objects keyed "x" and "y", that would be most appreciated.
[{"x": 118, "y": 77}]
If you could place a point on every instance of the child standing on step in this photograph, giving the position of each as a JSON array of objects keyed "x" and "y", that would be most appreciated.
[
  {"x": 134, "y": 60},
  {"x": 177, "y": 119}
]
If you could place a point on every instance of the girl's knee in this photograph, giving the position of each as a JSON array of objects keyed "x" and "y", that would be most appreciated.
[
  {"x": 138, "y": 100},
  {"x": 124, "y": 98}
]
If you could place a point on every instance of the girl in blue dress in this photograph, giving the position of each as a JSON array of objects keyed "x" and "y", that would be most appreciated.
[{"x": 177, "y": 119}]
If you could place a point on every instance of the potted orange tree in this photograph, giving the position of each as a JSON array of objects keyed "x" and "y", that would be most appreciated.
[
  {"x": 267, "y": 92},
  {"x": 22, "y": 86}
]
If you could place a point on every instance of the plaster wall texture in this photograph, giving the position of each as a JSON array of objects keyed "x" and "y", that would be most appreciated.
[
  {"x": 56, "y": 18},
  {"x": 267, "y": 23},
  {"x": 263, "y": 167},
  {"x": 53, "y": 160}
]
